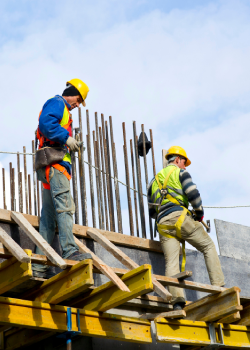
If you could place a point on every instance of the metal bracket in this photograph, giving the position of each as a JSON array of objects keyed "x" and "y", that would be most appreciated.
[
  {"x": 70, "y": 334},
  {"x": 214, "y": 345},
  {"x": 209, "y": 225}
]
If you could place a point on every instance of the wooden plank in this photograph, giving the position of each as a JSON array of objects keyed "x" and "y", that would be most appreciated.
[
  {"x": 109, "y": 295},
  {"x": 153, "y": 298},
  {"x": 38, "y": 239},
  {"x": 65, "y": 285},
  {"x": 150, "y": 305},
  {"x": 170, "y": 314},
  {"x": 125, "y": 260},
  {"x": 214, "y": 307},
  {"x": 13, "y": 273},
  {"x": 105, "y": 269},
  {"x": 183, "y": 275},
  {"x": 81, "y": 232},
  {"x": 43, "y": 316},
  {"x": 13, "y": 247},
  {"x": 186, "y": 332},
  {"x": 231, "y": 318}
]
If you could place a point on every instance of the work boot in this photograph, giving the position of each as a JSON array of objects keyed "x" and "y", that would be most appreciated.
[
  {"x": 79, "y": 256},
  {"x": 178, "y": 306}
]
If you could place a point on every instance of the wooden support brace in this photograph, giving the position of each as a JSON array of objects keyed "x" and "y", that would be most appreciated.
[
  {"x": 196, "y": 333},
  {"x": 52, "y": 318},
  {"x": 170, "y": 314},
  {"x": 245, "y": 316},
  {"x": 231, "y": 318},
  {"x": 65, "y": 285},
  {"x": 105, "y": 269},
  {"x": 38, "y": 239},
  {"x": 13, "y": 247},
  {"x": 214, "y": 307},
  {"x": 13, "y": 273},
  {"x": 109, "y": 296},
  {"x": 125, "y": 260}
]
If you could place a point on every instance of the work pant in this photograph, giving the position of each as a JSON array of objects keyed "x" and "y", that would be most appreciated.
[
  {"x": 193, "y": 232},
  {"x": 58, "y": 208}
]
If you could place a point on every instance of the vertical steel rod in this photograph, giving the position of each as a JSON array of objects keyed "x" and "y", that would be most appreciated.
[
  {"x": 18, "y": 171},
  {"x": 11, "y": 190},
  {"x": 34, "y": 177},
  {"x": 25, "y": 180},
  {"x": 108, "y": 179},
  {"x": 92, "y": 196},
  {"x": 82, "y": 174},
  {"x": 109, "y": 173},
  {"x": 131, "y": 223},
  {"x": 38, "y": 198},
  {"x": 4, "y": 191},
  {"x": 146, "y": 177},
  {"x": 99, "y": 171},
  {"x": 103, "y": 179},
  {"x": 97, "y": 182},
  {"x": 30, "y": 201},
  {"x": 20, "y": 189},
  {"x": 74, "y": 184},
  {"x": 152, "y": 149},
  {"x": 115, "y": 170},
  {"x": 134, "y": 186},
  {"x": 138, "y": 173}
]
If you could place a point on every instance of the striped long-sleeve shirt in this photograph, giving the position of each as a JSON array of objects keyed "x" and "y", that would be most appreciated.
[{"x": 189, "y": 188}]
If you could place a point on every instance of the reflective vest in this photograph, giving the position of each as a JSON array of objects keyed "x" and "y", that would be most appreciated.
[
  {"x": 65, "y": 122},
  {"x": 169, "y": 181}
]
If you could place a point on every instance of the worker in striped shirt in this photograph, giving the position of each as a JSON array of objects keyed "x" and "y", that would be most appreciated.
[{"x": 169, "y": 194}]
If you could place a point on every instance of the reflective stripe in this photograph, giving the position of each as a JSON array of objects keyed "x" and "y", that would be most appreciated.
[
  {"x": 179, "y": 191},
  {"x": 155, "y": 195}
]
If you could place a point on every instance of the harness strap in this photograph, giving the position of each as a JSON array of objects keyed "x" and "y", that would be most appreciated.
[
  {"x": 59, "y": 167},
  {"x": 176, "y": 227}
]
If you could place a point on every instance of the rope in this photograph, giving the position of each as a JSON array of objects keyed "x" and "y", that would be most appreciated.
[{"x": 133, "y": 189}]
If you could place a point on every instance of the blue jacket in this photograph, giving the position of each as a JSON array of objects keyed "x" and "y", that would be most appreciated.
[{"x": 49, "y": 126}]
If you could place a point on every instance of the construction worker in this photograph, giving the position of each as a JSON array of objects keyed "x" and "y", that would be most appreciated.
[
  {"x": 169, "y": 194},
  {"x": 53, "y": 165}
]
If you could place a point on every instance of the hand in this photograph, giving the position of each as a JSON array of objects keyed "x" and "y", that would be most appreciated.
[
  {"x": 72, "y": 144},
  {"x": 200, "y": 219}
]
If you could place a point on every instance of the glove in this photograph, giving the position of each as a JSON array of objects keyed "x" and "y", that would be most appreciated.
[
  {"x": 72, "y": 144},
  {"x": 199, "y": 215}
]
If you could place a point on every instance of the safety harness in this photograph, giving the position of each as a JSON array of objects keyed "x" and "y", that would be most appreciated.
[
  {"x": 58, "y": 167},
  {"x": 165, "y": 194}
]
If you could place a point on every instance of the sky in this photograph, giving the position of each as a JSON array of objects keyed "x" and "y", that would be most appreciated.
[{"x": 179, "y": 67}]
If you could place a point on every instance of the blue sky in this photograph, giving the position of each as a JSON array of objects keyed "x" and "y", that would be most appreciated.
[{"x": 179, "y": 67}]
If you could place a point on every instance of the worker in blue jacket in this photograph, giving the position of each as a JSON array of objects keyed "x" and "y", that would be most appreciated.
[{"x": 53, "y": 166}]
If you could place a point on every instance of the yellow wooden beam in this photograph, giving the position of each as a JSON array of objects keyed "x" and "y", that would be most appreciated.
[
  {"x": 197, "y": 333},
  {"x": 43, "y": 316},
  {"x": 13, "y": 273},
  {"x": 107, "y": 296},
  {"x": 67, "y": 284}
]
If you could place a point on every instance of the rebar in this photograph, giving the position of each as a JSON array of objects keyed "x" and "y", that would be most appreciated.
[
  {"x": 34, "y": 178},
  {"x": 30, "y": 201},
  {"x": 82, "y": 174},
  {"x": 134, "y": 185},
  {"x": 97, "y": 182},
  {"x": 4, "y": 194},
  {"x": 130, "y": 212},
  {"x": 138, "y": 173},
  {"x": 92, "y": 196},
  {"x": 103, "y": 179},
  {"x": 25, "y": 180},
  {"x": 38, "y": 198},
  {"x": 146, "y": 176},
  {"x": 109, "y": 173},
  {"x": 74, "y": 184},
  {"x": 108, "y": 179},
  {"x": 11, "y": 190},
  {"x": 20, "y": 192},
  {"x": 99, "y": 171},
  {"x": 18, "y": 171},
  {"x": 152, "y": 149}
]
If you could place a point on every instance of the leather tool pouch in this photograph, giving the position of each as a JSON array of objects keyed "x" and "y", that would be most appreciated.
[{"x": 49, "y": 155}]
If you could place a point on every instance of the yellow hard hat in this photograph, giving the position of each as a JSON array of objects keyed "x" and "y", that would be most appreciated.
[
  {"x": 179, "y": 151},
  {"x": 81, "y": 87}
]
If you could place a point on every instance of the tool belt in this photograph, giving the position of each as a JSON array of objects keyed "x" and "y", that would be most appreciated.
[
  {"x": 165, "y": 194},
  {"x": 48, "y": 155},
  {"x": 58, "y": 167}
]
